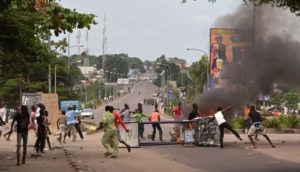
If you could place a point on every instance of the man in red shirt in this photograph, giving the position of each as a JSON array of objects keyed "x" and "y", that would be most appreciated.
[
  {"x": 177, "y": 111},
  {"x": 118, "y": 120}
]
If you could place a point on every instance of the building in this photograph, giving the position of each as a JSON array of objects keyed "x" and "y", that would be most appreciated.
[{"x": 181, "y": 63}]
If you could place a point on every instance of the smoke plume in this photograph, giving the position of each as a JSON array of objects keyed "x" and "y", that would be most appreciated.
[{"x": 273, "y": 57}]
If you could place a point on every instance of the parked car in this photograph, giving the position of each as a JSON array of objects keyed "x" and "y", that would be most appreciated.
[{"x": 87, "y": 113}]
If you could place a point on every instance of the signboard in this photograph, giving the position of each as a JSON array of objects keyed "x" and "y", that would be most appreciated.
[
  {"x": 30, "y": 99},
  {"x": 189, "y": 136},
  {"x": 132, "y": 137},
  {"x": 226, "y": 46},
  {"x": 170, "y": 94},
  {"x": 64, "y": 104},
  {"x": 123, "y": 81}
]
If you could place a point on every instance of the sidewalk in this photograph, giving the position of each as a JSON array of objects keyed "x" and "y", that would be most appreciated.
[{"x": 54, "y": 160}]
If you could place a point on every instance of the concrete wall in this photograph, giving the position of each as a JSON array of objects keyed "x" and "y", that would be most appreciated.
[{"x": 51, "y": 103}]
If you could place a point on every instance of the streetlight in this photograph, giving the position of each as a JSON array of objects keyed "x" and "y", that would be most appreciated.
[
  {"x": 168, "y": 67},
  {"x": 205, "y": 53},
  {"x": 69, "y": 47}
]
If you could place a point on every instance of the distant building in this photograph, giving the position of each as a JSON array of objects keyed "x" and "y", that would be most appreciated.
[
  {"x": 90, "y": 73},
  {"x": 181, "y": 63}
]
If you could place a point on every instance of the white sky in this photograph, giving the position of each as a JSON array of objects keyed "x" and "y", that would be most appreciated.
[{"x": 150, "y": 28}]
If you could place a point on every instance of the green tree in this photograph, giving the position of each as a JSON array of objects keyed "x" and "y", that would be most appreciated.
[
  {"x": 198, "y": 72},
  {"x": 136, "y": 63},
  {"x": 25, "y": 49},
  {"x": 162, "y": 63}
]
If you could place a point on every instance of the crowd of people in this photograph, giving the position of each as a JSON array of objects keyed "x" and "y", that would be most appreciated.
[
  {"x": 112, "y": 132},
  {"x": 252, "y": 119},
  {"x": 69, "y": 121},
  {"x": 37, "y": 120}
]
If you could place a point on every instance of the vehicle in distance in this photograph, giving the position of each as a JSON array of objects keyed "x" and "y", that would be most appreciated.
[
  {"x": 155, "y": 94},
  {"x": 87, "y": 113}
]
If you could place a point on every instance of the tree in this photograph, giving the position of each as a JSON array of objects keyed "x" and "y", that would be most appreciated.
[
  {"x": 136, "y": 63},
  {"x": 148, "y": 64},
  {"x": 162, "y": 63},
  {"x": 25, "y": 49},
  {"x": 198, "y": 72}
]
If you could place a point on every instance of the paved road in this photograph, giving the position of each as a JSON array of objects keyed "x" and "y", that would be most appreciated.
[
  {"x": 146, "y": 90},
  {"x": 88, "y": 155}
]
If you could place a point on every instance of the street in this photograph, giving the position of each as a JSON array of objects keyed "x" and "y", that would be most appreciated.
[{"x": 88, "y": 155}]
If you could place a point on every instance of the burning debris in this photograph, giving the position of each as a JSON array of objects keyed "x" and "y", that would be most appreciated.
[{"x": 272, "y": 58}]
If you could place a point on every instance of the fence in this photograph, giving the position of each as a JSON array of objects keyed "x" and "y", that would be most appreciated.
[{"x": 199, "y": 132}]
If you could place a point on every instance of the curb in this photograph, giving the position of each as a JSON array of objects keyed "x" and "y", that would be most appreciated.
[{"x": 273, "y": 131}]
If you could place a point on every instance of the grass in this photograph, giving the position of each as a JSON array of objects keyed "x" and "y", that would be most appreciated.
[{"x": 287, "y": 121}]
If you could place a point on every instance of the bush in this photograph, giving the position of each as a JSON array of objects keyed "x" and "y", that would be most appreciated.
[
  {"x": 238, "y": 123},
  {"x": 291, "y": 121},
  {"x": 273, "y": 123}
]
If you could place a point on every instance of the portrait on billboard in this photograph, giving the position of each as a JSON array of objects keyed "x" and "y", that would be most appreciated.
[{"x": 227, "y": 46}]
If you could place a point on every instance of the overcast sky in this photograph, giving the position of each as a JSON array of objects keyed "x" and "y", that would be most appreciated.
[{"x": 150, "y": 28}]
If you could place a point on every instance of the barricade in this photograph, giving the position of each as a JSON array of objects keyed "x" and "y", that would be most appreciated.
[{"x": 199, "y": 132}]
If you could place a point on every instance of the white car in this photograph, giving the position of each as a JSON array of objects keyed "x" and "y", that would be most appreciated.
[
  {"x": 87, "y": 113},
  {"x": 155, "y": 94}
]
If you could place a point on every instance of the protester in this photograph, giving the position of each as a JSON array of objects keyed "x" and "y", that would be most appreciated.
[
  {"x": 276, "y": 113},
  {"x": 8, "y": 134},
  {"x": 110, "y": 137},
  {"x": 3, "y": 118},
  {"x": 137, "y": 117},
  {"x": 177, "y": 111},
  {"x": 22, "y": 119},
  {"x": 61, "y": 126},
  {"x": 71, "y": 114},
  {"x": 257, "y": 127},
  {"x": 3, "y": 113},
  {"x": 41, "y": 130},
  {"x": 118, "y": 120},
  {"x": 77, "y": 122},
  {"x": 32, "y": 124},
  {"x": 48, "y": 132},
  {"x": 222, "y": 123},
  {"x": 155, "y": 118},
  {"x": 126, "y": 113},
  {"x": 194, "y": 114},
  {"x": 2, "y": 125},
  {"x": 248, "y": 121}
]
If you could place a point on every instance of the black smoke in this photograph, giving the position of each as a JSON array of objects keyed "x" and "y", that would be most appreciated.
[{"x": 274, "y": 57}]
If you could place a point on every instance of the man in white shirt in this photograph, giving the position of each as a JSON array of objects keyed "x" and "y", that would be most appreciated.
[
  {"x": 3, "y": 112},
  {"x": 222, "y": 123},
  {"x": 2, "y": 118}
]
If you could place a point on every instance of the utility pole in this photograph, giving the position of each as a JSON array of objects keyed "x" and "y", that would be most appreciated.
[
  {"x": 104, "y": 42},
  {"x": 87, "y": 60},
  {"x": 20, "y": 90},
  {"x": 49, "y": 66},
  {"x": 55, "y": 79},
  {"x": 78, "y": 37}
]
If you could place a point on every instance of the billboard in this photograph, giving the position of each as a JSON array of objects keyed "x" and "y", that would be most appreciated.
[
  {"x": 123, "y": 81},
  {"x": 64, "y": 104},
  {"x": 226, "y": 46}
]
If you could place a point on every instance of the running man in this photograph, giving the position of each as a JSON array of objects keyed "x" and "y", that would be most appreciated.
[
  {"x": 71, "y": 123},
  {"x": 137, "y": 117},
  {"x": 222, "y": 123},
  {"x": 61, "y": 126},
  {"x": 155, "y": 117},
  {"x": 22, "y": 118},
  {"x": 110, "y": 137},
  {"x": 116, "y": 122},
  {"x": 257, "y": 127}
]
